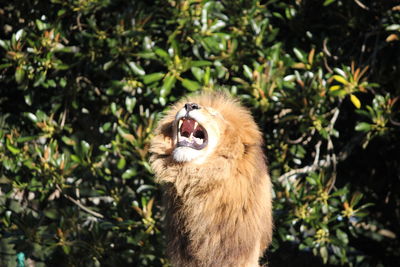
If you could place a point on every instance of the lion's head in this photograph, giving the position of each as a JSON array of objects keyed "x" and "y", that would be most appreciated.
[{"x": 204, "y": 127}]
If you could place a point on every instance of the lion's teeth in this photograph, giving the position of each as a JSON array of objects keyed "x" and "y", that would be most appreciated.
[
  {"x": 180, "y": 124},
  {"x": 196, "y": 124},
  {"x": 198, "y": 140}
]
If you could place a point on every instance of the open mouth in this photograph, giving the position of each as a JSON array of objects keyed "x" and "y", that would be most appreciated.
[{"x": 191, "y": 134}]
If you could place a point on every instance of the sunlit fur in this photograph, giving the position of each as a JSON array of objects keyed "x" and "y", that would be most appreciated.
[{"x": 217, "y": 202}]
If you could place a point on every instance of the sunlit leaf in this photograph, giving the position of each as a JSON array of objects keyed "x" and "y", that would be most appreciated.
[
  {"x": 169, "y": 82},
  {"x": 334, "y": 87},
  {"x": 340, "y": 79},
  {"x": 190, "y": 84},
  {"x": 356, "y": 102}
]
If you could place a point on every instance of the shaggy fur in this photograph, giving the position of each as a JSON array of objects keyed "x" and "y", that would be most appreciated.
[{"x": 218, "y": 209}]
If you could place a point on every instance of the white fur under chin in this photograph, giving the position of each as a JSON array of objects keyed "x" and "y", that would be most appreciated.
[{"x": 185, "y": 154}]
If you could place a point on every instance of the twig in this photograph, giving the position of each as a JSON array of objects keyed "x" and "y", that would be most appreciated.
[
  {"x": 306, "y": 169},
  {"x": 317, "y": 149},
  {"x": 80, "y": 205},
  {"x": 78, "y": 80},
  {"x": 78, "y": 22},
  {"x": 334, "y": 117},
  {"x": 296, "y": 141},
  {"x": 63, "y": 118},
  {"x": 331, "y": 152},
  {"x": 361, "y": 5},
  {"x": 326, "y": 52},
  {"x": 395, "y": 123},
  {"x": 317, "y": 163},
  {"x": 342, "y": 155},
  {"x": 325, "y": 48}
]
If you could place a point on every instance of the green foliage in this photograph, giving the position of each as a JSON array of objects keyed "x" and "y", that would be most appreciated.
[{"x": 84, "y": 82}]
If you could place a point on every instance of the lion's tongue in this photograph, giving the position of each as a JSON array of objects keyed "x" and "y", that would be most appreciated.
[{"x": 187, "y": 127}]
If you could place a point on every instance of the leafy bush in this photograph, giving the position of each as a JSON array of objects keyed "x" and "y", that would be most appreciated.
[{"x": 83, "y": 83}]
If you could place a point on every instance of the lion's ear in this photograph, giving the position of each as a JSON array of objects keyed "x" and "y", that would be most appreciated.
[
  {"x": 162, "y": 142},
  {"x": 250, "y": 135},
  {"x": 165, "y": 129}
]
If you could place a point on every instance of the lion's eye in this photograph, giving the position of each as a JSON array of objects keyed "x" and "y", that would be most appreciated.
[{"x": 213, "y": 112}]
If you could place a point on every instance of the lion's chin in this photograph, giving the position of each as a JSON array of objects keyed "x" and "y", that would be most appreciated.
[{"x": 186, "y": 154}]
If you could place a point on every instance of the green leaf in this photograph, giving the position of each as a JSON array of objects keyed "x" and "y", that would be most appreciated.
[
  {"x": 75, "y": 158},
  {"x": 113, "y": 108},
  {"x": 85, "y": 147},
  {"x": 108, "y": 65},
  {"x": 51, "y": 214},
  {"x": 41, "y": 25},
  {"x": 19, "y": 75},
  {"x": 328, "y": 2},
  {"x": 393, "y": 27},
  {"x": 163, "y": 54},
  {"x": 136, "y": 68},
  {"x": 340, "y": 192},
  {"x": 66, "y": 249},
  {"x": 61, "y": 12},
  {"x": 299, "y": 55},
  {"x": 51, "y": 83},
  {"x": 378, "y": 102},
  {"x": 63, "y": 82},
  {"x": 13, "y": 149},
  {"x": 324, "y": 254},
  {"x": 5, "y": 65},
  {"x": 198, "y": 73},
  {"x": 5, "y": 45},
  {"x": 130, "y": 103},
  {"x": 207, "y": 75},
  {"x": 169, "y": 82},
  {"x": 356, "y": 198},
  {"x": 200, "y": 63},
  {"x": 153, "y": 77},
  {"x": 19, "y": 34},
  {"x": 212, "y": 44},
  {"x": 311, "y": 180},
  {"x": 106, "y": 126},
  {"x": 247, "y": 72},
  {"x": 363, "y": 127},
  {"x": 68, "y": 141},
  {"x": 128, "y": 174},
  {"x": 39, "y": 79},
  {"x": 24, "y": 139},
  {"x": 31, "y": 116},
  {"x": 191, "y": 85},
  {"x": 342, "y": 236},
  {"x": 121, "y": 163}
]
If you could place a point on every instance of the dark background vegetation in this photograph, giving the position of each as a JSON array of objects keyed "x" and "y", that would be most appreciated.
[{"x": 83, "y": 82}]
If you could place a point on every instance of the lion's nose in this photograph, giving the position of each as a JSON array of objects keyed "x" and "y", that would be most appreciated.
[{"x": 191, "y": 106}]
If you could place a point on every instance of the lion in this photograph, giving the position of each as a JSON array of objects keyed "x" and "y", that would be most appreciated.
[{"x": 207, "y": 154}]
